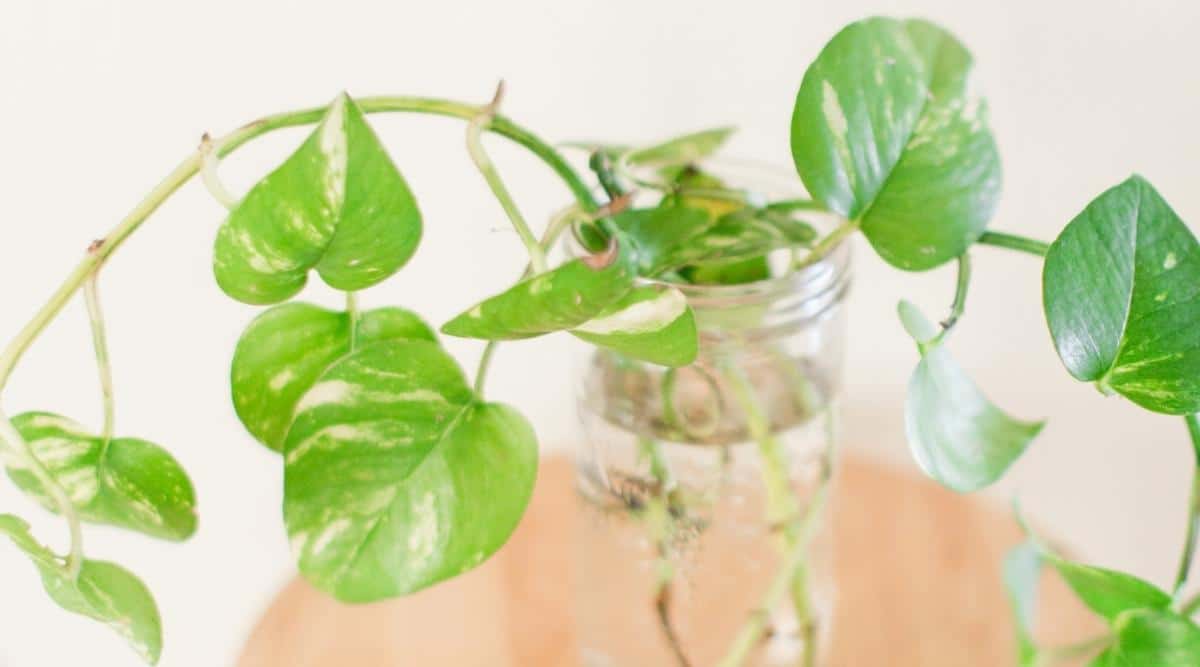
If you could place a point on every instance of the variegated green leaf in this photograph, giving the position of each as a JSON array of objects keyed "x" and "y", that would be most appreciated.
[
  {"x": 397, "y": 477},
  {"x": 650, "y": 323},
  {"x": 741, "y": 235},
  {"x": 657, "y": 232},
  {"x": 888, "y": 131},
  {"x": 127, "y": 482},
  {"x": 559, "y": 299},
  {"x": 284, "y": 350},
  {"x": 1121, "y": 289},
  {"x": 103, "y": 591},
  {"x": 956, "y": 435},
  {"x": 337, "y": 205},
  {"x": 686, "y": 149}
]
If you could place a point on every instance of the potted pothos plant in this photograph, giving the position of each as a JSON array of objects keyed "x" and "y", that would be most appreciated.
[{"x": 400, "y": 473}]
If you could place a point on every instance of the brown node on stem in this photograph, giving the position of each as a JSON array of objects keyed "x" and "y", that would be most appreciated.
[
  {"x": 95, "y": 246},
  {"x": 614, "y": 206},
  {"x": 604, "y": 258}
]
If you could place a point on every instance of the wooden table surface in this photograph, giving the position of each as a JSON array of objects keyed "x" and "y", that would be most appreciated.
[{"x": 918, "y": 571}]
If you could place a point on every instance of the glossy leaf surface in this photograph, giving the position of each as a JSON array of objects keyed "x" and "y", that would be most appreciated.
[
  {"x": 1121, "y": 290},
  {"x": 103, "y": 591},
  {"x": 396, "y": 477},
  {"x": 888, "y": 131},
  {"x": 957, "y": 436},
  {"x": 1152, "y": 638},
  {"x": 337, "y": 205},
  {"x": 129, "y": 483},
  {"x": 562, "y": 298},
  {"x": 650, "y": 323},
  {"x": 284, "y": 350}
]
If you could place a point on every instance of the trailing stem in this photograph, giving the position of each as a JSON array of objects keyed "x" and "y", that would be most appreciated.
[
  {"x": 662, "y": 513},
  {"x": 353, "y": 313},
  {"x": 1015, "y": 242},
  {"x": 1193, "y": 519},
  {"x": 537, "y": 256},
  {"x": 784, "y": 514},
  {"x": 100, "y": 343},
  {"x": 962, "y": 284}
]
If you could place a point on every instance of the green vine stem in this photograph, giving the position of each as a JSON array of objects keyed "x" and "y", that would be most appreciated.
[
  {"x": 91, "y": 297},
  {"x": 827, "y": 243},
  {"x": 1015, "y": 242},
  {"x": 783, "y": 512},
  {"x": 537, "y": 256},
  {"x": 191, "y": 165},
  {"x": 1193, "y": 525},
  {"x": 962, "y": 284},
  {"x": 352, "y": 311}
]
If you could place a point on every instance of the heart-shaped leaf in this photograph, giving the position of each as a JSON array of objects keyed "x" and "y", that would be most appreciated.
[
  {"x": 1152, "y": 638},
  {"x": 887, "y": 131},
  {"x": 957, "y": 436},
  {"x": 1022, "y": 573},
  {"x": 686, "y": 149},
  {"x": 559, "y": 299},
  {"x": 397, "y": 477},
  {"x": 337, "y": 205},
  {"x": 125, "y": 482},
  {"x": 650, "y": 323},
  {"x": 1121, "y": 290},
  {"x": 657, "y": 234},
  {"x": 103, "y": 591},
  {"x": 284, "y": 350}
]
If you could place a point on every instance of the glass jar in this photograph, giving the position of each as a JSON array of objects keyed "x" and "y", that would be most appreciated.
[{"x": 704, "y": 538}]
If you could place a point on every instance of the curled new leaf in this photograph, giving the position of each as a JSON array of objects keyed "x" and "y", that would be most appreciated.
[
  {"x": 887, "y": 131},
  {"x": 124, "y": 482},
  {"x": 956, "y": 435},
  {"x": 337, "y": 205},
  {"x": 562, "y": 298},
  {"x": 650, "y": 323},
  {"x": 1121, "y": 290},
  {"x": 284, "y": 350},
  {"x": 397, "y": 477},
  {"x": 103, "y": 591}
]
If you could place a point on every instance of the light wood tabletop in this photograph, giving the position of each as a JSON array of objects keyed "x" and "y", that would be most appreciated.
[{"x": 918, "y": 571}]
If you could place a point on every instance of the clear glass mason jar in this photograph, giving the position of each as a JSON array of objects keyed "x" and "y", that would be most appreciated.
[{"x": 704, "y": 539}]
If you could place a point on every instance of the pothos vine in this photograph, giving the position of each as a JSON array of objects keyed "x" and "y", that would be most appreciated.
[{"x": 398, "y": 473}]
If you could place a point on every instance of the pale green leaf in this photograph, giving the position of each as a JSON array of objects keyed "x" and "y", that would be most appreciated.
[
  {"x": 686, "y": 149},
  {"x": 888, "y": 131},
  {"x": 956, "y": 435},
  {"x": 103, "y": 591},
  {"x": 1152, "y": 638},
  {"x": 284, "y": 350},
  {"x": 396, "y": 477},
  {"x": 1022, "y": 573},
  {"x": 129, "y": 483},
  {"x": 1121, "y": 289},
  {"x": 650, "y": 323},
  {"x": 562, "y": 298},
  {"x": 337, "y": 205}
]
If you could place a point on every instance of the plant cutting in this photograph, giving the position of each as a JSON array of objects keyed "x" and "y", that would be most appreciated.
[{"x": 400, "y": 473}]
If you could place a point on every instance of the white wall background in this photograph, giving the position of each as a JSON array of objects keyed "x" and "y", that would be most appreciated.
[{"x": 101, "y": 99}]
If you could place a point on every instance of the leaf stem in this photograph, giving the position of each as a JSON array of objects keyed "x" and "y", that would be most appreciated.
[
  {"x": 1193, "y": 526},
  {"x": 91, "y": 297},
  {"x": 537, "y": 257},
  {"x": 962, "y": 283},
  {"x": 1015, "y": 242},
  {"x": 208, "y": 174},
  {"x": 828, "y": 243},
  {"x": 24, "y": 453},
  {"x": 353, "y": 313},
  {"x": 222, "y": 147},
  {"x": 1191, "y": 606}
]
